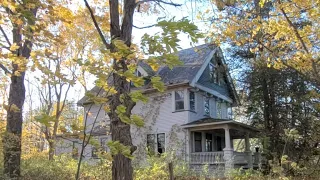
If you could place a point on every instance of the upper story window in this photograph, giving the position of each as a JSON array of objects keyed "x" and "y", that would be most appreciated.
[
  {"x": 192, "y": 101},
  {"x": 179, "y": 100},
  {"x": 214, "y": 74},
  {"x": 219, "y": 110},
  {"x": 206, "y": 106},
  {"x": 229, "y": 112}
]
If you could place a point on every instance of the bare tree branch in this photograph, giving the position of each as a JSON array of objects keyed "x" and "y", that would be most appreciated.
[
  {"x": 295, "y": 30},
  {"x": 5, "y": 69},
  {"x": 158, "y": 1},
  {"x": 144, "y": 27},
  {"x": 5, "y": 36},
  {"x": 97, "y": 26}
]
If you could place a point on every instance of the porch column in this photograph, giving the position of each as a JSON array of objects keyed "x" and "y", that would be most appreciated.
[
  {"x": 248, "y": 151},
  {"x": 228, "y": 151}
]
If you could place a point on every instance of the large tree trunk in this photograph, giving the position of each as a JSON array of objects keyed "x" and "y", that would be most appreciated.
[
  {"x": 120, "y": 131},
  {"x": 12, "y": 138}
]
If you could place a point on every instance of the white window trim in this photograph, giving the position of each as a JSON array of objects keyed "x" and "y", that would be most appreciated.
[
  {"x": 195, "y": 101},
  {"x": 156, "y": 141},
  {"x": 174, "y": 100}
]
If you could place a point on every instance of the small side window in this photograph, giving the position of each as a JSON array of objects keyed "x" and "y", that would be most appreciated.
[
  {"x": 219, "y": 110},
  {"x": 206, "y": 106},
  {"x": 192, "y": 101}
]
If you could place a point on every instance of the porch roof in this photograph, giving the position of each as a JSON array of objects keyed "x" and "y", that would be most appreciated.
[{"x": 211, "y": 122}]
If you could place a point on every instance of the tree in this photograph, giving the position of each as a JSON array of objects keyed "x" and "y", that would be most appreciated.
[
  {"x": 277, "y": 43},
  {"x": 117, "y": 96},
  {"x": 25, "y": 21}
]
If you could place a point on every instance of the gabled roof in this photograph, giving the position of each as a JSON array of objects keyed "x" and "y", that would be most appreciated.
[{"x": 195, "y": 60}]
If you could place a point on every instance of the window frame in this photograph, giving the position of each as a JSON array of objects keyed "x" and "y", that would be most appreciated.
[
  {"x": 192, "y": 101},
  {"x": 164, "y": 144},
  {"x": 214, "y": 73},
  {"x": 206, "y": 102},
  {"x": 209, "y": 141},
  {"x": 219, "y": 109},
  {"x": 179, "y": 100},
  {"x": 197, "y": 140},
  {"x": 229, "y": 114},
  {"x": 155, "y": 145},
  {"x": 153, "y": 150}
]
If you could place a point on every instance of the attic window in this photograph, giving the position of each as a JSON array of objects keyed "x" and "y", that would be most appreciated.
[
  {"x": 206, "y": 106},
  {"x": 213, "y": 73}
]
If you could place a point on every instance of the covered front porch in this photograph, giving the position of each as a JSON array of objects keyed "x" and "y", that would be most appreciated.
[{"x": 211, "y": 142}]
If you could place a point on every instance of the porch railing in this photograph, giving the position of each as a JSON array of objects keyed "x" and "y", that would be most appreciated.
[{"x": 207, "y": 157}]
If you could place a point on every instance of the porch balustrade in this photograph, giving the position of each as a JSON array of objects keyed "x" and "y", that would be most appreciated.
[{"x": 207, "y": 157}]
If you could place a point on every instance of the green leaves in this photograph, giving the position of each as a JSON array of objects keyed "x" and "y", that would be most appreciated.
[
  {"x": 157, "y": 83},
  {"x": 117, "y": 148},
  {"x": 45, "y": 119},
  {"x": 134, "y": 119},
  {"x": 138, "y": 96}
]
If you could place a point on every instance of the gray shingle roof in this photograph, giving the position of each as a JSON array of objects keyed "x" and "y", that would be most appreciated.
[{"x": 192, "y": 59}]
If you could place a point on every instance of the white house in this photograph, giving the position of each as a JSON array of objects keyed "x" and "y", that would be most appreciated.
[{"x": 192, "y": 117}]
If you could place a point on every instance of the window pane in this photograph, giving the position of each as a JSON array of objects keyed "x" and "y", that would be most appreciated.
[
  {"x": 192, "y": 101},
  {"x": 208, "y": 142},
  {"x": 229, "y": 111},
  {"x": 151, "y": 142},
  {"x": 197, "y": 141},
  {"x": 179, "y": 105},
  {"x": 197, "y": 136},
  {"x": 206, "y": 106},
  {"x": 178, "y": 95},
  {"x": 197, "y": 146},
  {"x": 219, "y": 110},
  {"x": 161, "y": 142}
]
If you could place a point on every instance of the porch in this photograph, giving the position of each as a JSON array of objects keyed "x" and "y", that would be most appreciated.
[{"x": 211, "y": 142}]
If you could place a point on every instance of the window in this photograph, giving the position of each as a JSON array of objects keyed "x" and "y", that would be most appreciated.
[
  {"x": 229, "y": 111},
  {"x": 219, "y": 109},
  {"x": 151, "y": 143},
  {"x": 161, "y": 140},
  {"x": 208, "y": 142},
  {"x": 156, "y": 146},
  {"x": 206, "y": 106},
  {"x": 197, "y": 141},
  {"x": 213, "y": 73},
  {"x": 192, "y": 101},
  {"x": 179, "y": 100},
  {"x": 75, "y": 149}
]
